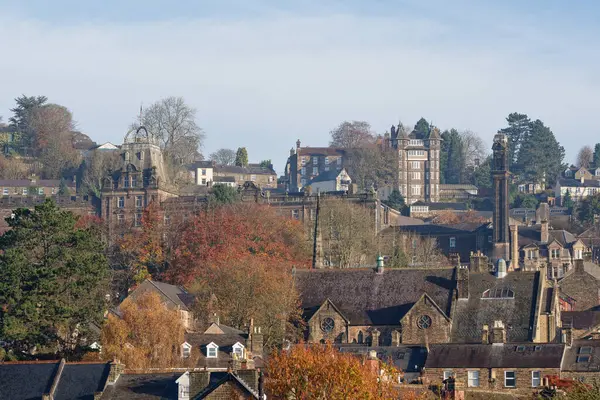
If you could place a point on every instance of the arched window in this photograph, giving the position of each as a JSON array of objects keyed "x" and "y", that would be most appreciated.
[
  {"x": 360, "y": 337},
  {"x": 127, "y": 156},
  {"x": 500, "y": 292}
]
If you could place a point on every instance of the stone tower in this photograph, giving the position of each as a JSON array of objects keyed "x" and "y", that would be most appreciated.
[{"x": 500, "y": 175}]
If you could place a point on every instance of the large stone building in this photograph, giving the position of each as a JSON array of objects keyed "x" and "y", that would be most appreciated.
[
  {"x": 306, "y": 163},
  {"x": 418, "y": 164}
]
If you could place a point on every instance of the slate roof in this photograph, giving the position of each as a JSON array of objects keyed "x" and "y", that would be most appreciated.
[
  {"x": 572, "y": 353},
  {"x": 367, "y": 298},
  {"x": 26, "y": 380},
  {"x": 228, "y": 377},
  {"x": 580, "y": 320},
  {"x": 330, "y": 175},
  {"x": 218, "y": 179},
  {"x": 443, "y": 206},
  {"x": 81, "y": 381},
  {"x": 568, "y": 182},
  {"x": 580, "y": 286},
  {"x": 434, "y": 229},
  {"x": 532, "y": 235},
  {"x": 29, "y": 183},
  {"x": 517, "y": 313},
  {"x": 321, "y": 151},
  {"x": 409, "y": 359},
  {"x": 176, "y": 294},
  {"x": 250, "y": 169},
  {"x": 143, "y": 386},
  {"x": 526, "y": 355}
]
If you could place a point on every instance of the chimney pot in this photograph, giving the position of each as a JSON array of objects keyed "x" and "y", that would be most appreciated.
[
  {"x": 501, "y": 269},
  {"x": 380, "y": 265}
]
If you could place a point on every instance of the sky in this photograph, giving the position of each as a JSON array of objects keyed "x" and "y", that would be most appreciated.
[{"x": 264, "y": 73}]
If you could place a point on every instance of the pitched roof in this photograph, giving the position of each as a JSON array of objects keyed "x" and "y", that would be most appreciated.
[
  {"x": 321, "y": 151},
  {"x": 26, "y": 380},
  {"x": 143, "y": 386},
  {"x": 581, "y": 320},
  {"x": 177, "y": 295},
  {"x": 254, "y": 169},
  {"x": 228, "y": 377},
  {"x": 573, "y": 352},
  {"x": 532, "y": 234},
  {"x": 442, "y": 206},
  {"x": 581, "y": 286},
  {"x": 516, "y": 313},
  {"x": 81, "y": 381},
  {"x": 529, "y": 355},
  {"x": 35, "y": 183},
  {"x": 368, "y": 298},
  {"x": 568, "y": 182},
  {"x": 330, "y": 175}
]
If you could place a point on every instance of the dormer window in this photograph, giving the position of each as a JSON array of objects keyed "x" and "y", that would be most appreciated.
[
  {"x": 238, "y": 351},
  {"x": 498, "y": 293},
  {"x": 186, "y": 350},
  {"x": 211, "y": 350}
]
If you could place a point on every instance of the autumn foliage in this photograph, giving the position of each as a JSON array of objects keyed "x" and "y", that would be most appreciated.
[
  {"x": 321, "y": 372},
  {"x": 147, "y": 334},
  {"x": 448, "y": 217}
]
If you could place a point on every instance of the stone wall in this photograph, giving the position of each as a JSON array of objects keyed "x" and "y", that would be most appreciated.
[{"x": 437, "y": 332}]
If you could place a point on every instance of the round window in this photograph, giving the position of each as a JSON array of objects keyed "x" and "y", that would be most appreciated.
[
  {"x": 424, "y": 322},
  {"x": 327, "y": 325}
]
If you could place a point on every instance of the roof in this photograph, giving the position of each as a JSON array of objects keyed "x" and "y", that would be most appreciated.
[
  {"x": 516, "y": 313},
  {"x": 218, "y": 179},
  {"x": 580, "y": 320},
  {"x": 527, "y": 355},
  {"x": 176, "y": 294},
  {"x": 321, "y": 151},
  {"x": 435, "y": 230},
  {"x": 581, "y": 286},
  {"x": 143, "y": 386},
  {"x": 26, "y": 380},
  {"x": 330, "y": 175},
  {"x": 573, "y": 353},
  {"x": 34, "y": 183},
  {"x": 367, "y": 298},
  {"x": 228, "y": 377},
  {"x": 442, "y": 206},
  {"x": 81, "y": 381},
  {"x": 456, "y": 186},
  {"x": 532, "y": 234},
  {"x": 254, "y": 169},
  {"x": 568, "y": 182}
]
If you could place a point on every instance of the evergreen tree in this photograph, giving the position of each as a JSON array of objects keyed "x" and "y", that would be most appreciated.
[
  {"x": 241, "y": 157},
  {"x": 567, "y": 201},
  {"x": 53, "y": 279},
  {"x": 589, "y": 208},
  {"x": 540, "y": 157},
  {"x": 266, "y": 163},
  {"x": 597, "y": 155},
  {"x": 519, "y": 126},
  {"x": 422, "y": 128},
  {"x": 223, "y": 194},
  {"x": 453, "y": 155},
  {"x": 25, "y": 104},
  {"x": 395, "y": 200},
  {"x": 482, "y": 175}
]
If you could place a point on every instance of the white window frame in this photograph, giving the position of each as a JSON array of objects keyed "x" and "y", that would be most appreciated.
[
  {"x": 139, "y": 201},
  {"x": 5, "y": 191},
  {"x": 212, "y": 350},
  {"x": 40, "y": 191},
  {"x": 186, "y": 350},
  {"x": 120, "y": 219},
  {"x": 452, "y": 242},
  {"x": 448, "y": 373},
  {"x": 137, "y": 219},
  {"x": 25, "y": 191},
  {"x": 514, "y": 379},
  {"x": 535, "y": 382},
  {"x": 473, "y": 378},
  {"x": 326, "y": 160},
  {"x": 121, "y": 202},
  {"x": 315, "y": 160},
  {"x": 240, "y": 350},
  {"x": 315, "y": 171},
  {"x": 303, "y": 171}
]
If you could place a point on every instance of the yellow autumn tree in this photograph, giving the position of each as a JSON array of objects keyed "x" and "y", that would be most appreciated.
[
  {"x": 321, "y": 372},
  {"x": 147, "y": 334}
]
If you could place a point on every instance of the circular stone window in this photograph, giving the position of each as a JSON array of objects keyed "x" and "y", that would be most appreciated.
[
  {"x": 327, "y": 325},
  {"x": 424, "y": 322}
]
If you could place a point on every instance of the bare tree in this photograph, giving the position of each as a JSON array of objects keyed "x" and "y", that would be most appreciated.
[
  {"x": 13, "y": 168},
  {"x": 585, "y": 157},
  {"x": 172, "y": 123},
  {"x": 223, "y": 156},
  {"x": 52, "y": 129},
  {"x": 96, "y": 168},
  {"x": 351, "y": 135},
  {"x": 473, "y": 147},
  {"x": 408, "y": 249}
]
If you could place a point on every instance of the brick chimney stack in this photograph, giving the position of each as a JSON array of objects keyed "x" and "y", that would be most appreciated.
[
  {"x": 498, "y": 332},
  {"x": 375, "y": 336},
  {"x": 462, "y": 272},
  {"x": 485, "y": 337}
]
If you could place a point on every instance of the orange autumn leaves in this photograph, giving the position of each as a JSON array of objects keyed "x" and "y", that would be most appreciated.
[{"x": 321, "y": 372}]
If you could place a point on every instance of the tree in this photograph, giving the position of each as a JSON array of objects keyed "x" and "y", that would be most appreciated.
[
  {"x": 405, "y": 249},
  {"x": 53, "y": 279},
  {"x": 321, "y": 372},
  {"x": 474, "y": 149},
  {"x": 585, "y": 157},
  {"x": 13, "y": 168},
  {"x": 482, "y": 175},
  {"x": 370, "y": 167},
  {"x": 589, "y": 208},
  {"x": 452, "y": 150},
  {"x": 223, "y": 194},
  {"x": 241, "y": 157},
  {"x": 519, "y": 126},
  {"x": 172, "y": 123},
  {"x": 52, "y": 129},
  {"x": 21, "y": 116},
  {"x": 540, "y": 157},
  {"x": 223, "y": 157},
  {"x": 94, "y": 171},
  {"x": 351, "y": 135},
  {"x": 567, "y": 201},
  {"x": 522, "y": 200},
  {"x": 422, "y": 128},
  {"x": 597, "y": 155},
  {"x": 395, "y": 200},
  {"x": 266, "y": 163},
  {"x": 146, "y": 335}
]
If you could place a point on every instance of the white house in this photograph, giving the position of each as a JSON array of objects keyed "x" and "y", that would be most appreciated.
[
  {"x": 578, "y": 188},
  {"x": 331, "y": 181}
]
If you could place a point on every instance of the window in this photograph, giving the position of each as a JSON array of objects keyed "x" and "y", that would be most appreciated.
[
  {"x": 53, "y": 190},
  {"x": 531, "y": 254},
  {"x": 578, "y": 254},
  {"x": 126, "y": 181},
  {"x": 167, "y": 219},
  {"x": 211, "y": 350},
  {"x": 326, "y": 168},
  {"x": 415, "y": 190},
  {"x": 120, "y": 219},
  {"x": 536, "y": 378},
  {"x": 141, "y": 155},
  {"x": 302, "y": 181},
  {"x": 303, "y": 161},
  {"x": 204, "y": 181},
  {"x": 203, "y": 171},
  {"x": 139, "y": 201},
  {"x": 326, "y": 160},
  {"x": 416, "y": 153},
  {"x": 315, "y": 171},
  {"x": 41, "y": 191},
  {"x": 121, "y": 202},
  {"x": 315, "y": 160},
  {"x": 24, "y": 191},
  {"x": 473, "y": 378},
  {"x": 184, "y": 392},
  {"x": 327, "y": 325},
  {"x": 426, "y": 175},
  {"x": 303, "y": 171},
  {"x": 339, "y": 161},
  {"x": 296, "y": 214},
  {"x": 137, "y": 219},
  {"x": 253, "y": 178},
  {"x": 452, "y": 242},
  {"x": 415, "y": 142},
  {"x": 448, "y": 374},
  {"x": 134, "y": 181},
  {"x": 583, "y": 359},
  {"x": 416, "y": 175},
  {"x": 510, "y": 379},
  {"x": 555, "y": 253},
  {"x": 500, "y": 292},
  {"x": 424, "y": 322},
  {"x": 415, "y": 164},
  {"x": 5, "y": 191},
  {"x": 126, "y": 156},
  {"x": 238, "y": 350},
  {"x": 585, "y": 350},
  {"x": 186, "y": 350}
]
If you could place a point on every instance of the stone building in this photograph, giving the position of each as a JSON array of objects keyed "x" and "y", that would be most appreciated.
[
  {"x": 500, "y": 177},
  {"x": 207, "y": 173},
  {"x": 306, "y": 163},
  {"x": 581, "y": 361},
  {"x": 34, "y": 187},
  {"x": 580, "y": 288},
  {"x": 418, "y": 164}
]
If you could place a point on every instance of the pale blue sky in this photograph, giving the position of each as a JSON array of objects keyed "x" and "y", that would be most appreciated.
[{"x": 263, "y": 73}]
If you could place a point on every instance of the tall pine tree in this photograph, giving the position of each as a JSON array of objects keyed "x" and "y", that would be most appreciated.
[
  {"x": 519, "y": 126},
  {"x": 540, "y": 157}
]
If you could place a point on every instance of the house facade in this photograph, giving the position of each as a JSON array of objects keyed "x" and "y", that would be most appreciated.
[
  {"x": 208, "y": 173},
  {"x": 331, "y": 181},
  {"x": 34, "y": 187},
  {"x": 306, "y": 163}
]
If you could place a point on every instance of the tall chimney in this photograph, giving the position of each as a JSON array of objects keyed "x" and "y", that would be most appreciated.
[
  {"x": 375, "y": 337},
  {"x": 462, "y": 281},
  {"x": 498, "y": 332},
  {"x": 373, "y": 362},
  {"x": 298, "y": 144},
  {"x": 544, "y": 234},
  {"x": 396, "y": 338},
  {"x": 485, "y": 336},
  {"x": 514, "y": 247},
  {"x": 501, "y": 269}
]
